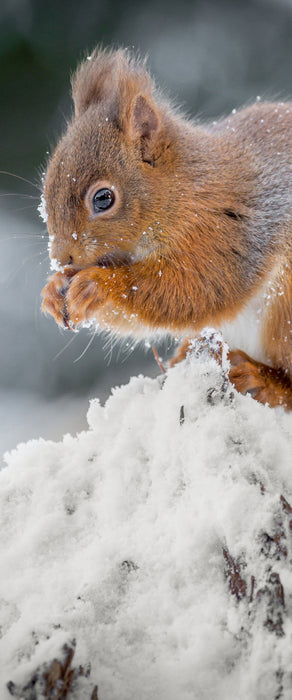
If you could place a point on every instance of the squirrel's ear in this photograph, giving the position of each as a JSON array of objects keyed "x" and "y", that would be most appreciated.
[
  {"x": 95, "y": 80},
  {"x": 144, "y": 124},
  {"x": 118, "y": 83}
]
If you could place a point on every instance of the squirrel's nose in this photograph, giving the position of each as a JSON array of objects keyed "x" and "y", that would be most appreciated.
[
  {"x": 62, "y": 253},
  {"x": 64, "y": 260}
]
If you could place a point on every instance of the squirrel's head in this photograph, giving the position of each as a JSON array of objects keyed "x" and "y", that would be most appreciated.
[{"x": 108, "y": 178}]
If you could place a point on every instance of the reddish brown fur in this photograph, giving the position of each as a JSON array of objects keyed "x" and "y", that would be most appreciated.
[{"x": 201, "y": 222}]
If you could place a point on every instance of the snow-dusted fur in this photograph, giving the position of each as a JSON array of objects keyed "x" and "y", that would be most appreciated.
[{"x": 195, "y": 228}]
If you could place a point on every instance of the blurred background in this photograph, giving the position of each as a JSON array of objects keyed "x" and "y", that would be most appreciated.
[{"x": 210, "y": 56}]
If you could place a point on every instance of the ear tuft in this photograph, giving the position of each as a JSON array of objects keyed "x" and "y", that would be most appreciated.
[
  {"x": 94, "y": 80},
  {"x": 119, "y": 83},
  {"x": 109, "y": 77}
]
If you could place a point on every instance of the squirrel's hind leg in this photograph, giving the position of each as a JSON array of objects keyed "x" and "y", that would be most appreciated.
[{"x": 266, "y": 384}]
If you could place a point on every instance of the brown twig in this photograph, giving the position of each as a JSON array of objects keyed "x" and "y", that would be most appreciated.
[
  {"x": 237, "y": 584},
  {"x": 158, "y": 360}
]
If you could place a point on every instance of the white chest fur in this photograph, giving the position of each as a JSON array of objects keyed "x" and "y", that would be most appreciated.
[{"x": 244, "y": 332}]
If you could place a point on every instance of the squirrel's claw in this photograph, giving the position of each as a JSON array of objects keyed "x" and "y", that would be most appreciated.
[{"x": 54, "y": 297}]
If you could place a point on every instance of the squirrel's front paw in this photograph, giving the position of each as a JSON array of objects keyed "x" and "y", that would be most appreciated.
[
  {"x": 54, "y": 296},
  {"x": 84, "y": 296}
]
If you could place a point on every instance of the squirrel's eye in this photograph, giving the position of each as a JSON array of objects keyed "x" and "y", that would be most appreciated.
[{"x": 102, "y": 199}]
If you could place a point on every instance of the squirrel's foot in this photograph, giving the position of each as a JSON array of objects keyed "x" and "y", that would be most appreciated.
[
  {"x": 266, "y": 384},
  {"x": 85, "y": 295},
  {"x": 54, "y": 296}
]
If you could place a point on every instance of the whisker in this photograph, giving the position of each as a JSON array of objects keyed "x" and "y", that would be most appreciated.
[
  {"x": 131, "y": 347},
  {"x": 65, "y": 347},
  {"x": 19, "y": 194},
  {"x": 30, "y": 207},
  {"x": 19, "y": 177},
  {"x": 87, "y": 346},
  {"x": 25, "y": 237},
  {"x": 14, "y": 272},
  {"x": 38, "y": 262},
  {"x": 108, "y": 347},
  {"x": 21, "y": 236},
  {"x": 113, "y": 340},
  {"x": 120, "y": 349}
]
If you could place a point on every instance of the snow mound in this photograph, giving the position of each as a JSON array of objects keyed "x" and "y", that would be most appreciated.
[{"x": 159, "y": 540}]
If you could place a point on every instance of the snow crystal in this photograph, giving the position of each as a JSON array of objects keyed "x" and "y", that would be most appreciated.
[
  {"x": 115, "y": 537},
  {"x": 42, "y": 209},
  {"x": 55, "y": 265}
]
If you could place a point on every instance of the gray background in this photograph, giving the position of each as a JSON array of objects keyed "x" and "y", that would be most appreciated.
[{"x": 210, "y": 56}]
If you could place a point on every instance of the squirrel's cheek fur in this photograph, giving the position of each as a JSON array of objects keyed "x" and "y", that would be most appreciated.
[{"x": 166, "y": 224}]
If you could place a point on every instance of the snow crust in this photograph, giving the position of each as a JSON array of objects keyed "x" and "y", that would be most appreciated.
[
  {"x": 42, "y": 209},
  {"x": 114, "y": 537}
]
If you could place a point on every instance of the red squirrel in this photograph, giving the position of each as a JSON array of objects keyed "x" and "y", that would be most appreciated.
[{"x": 157, "y": 222}]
